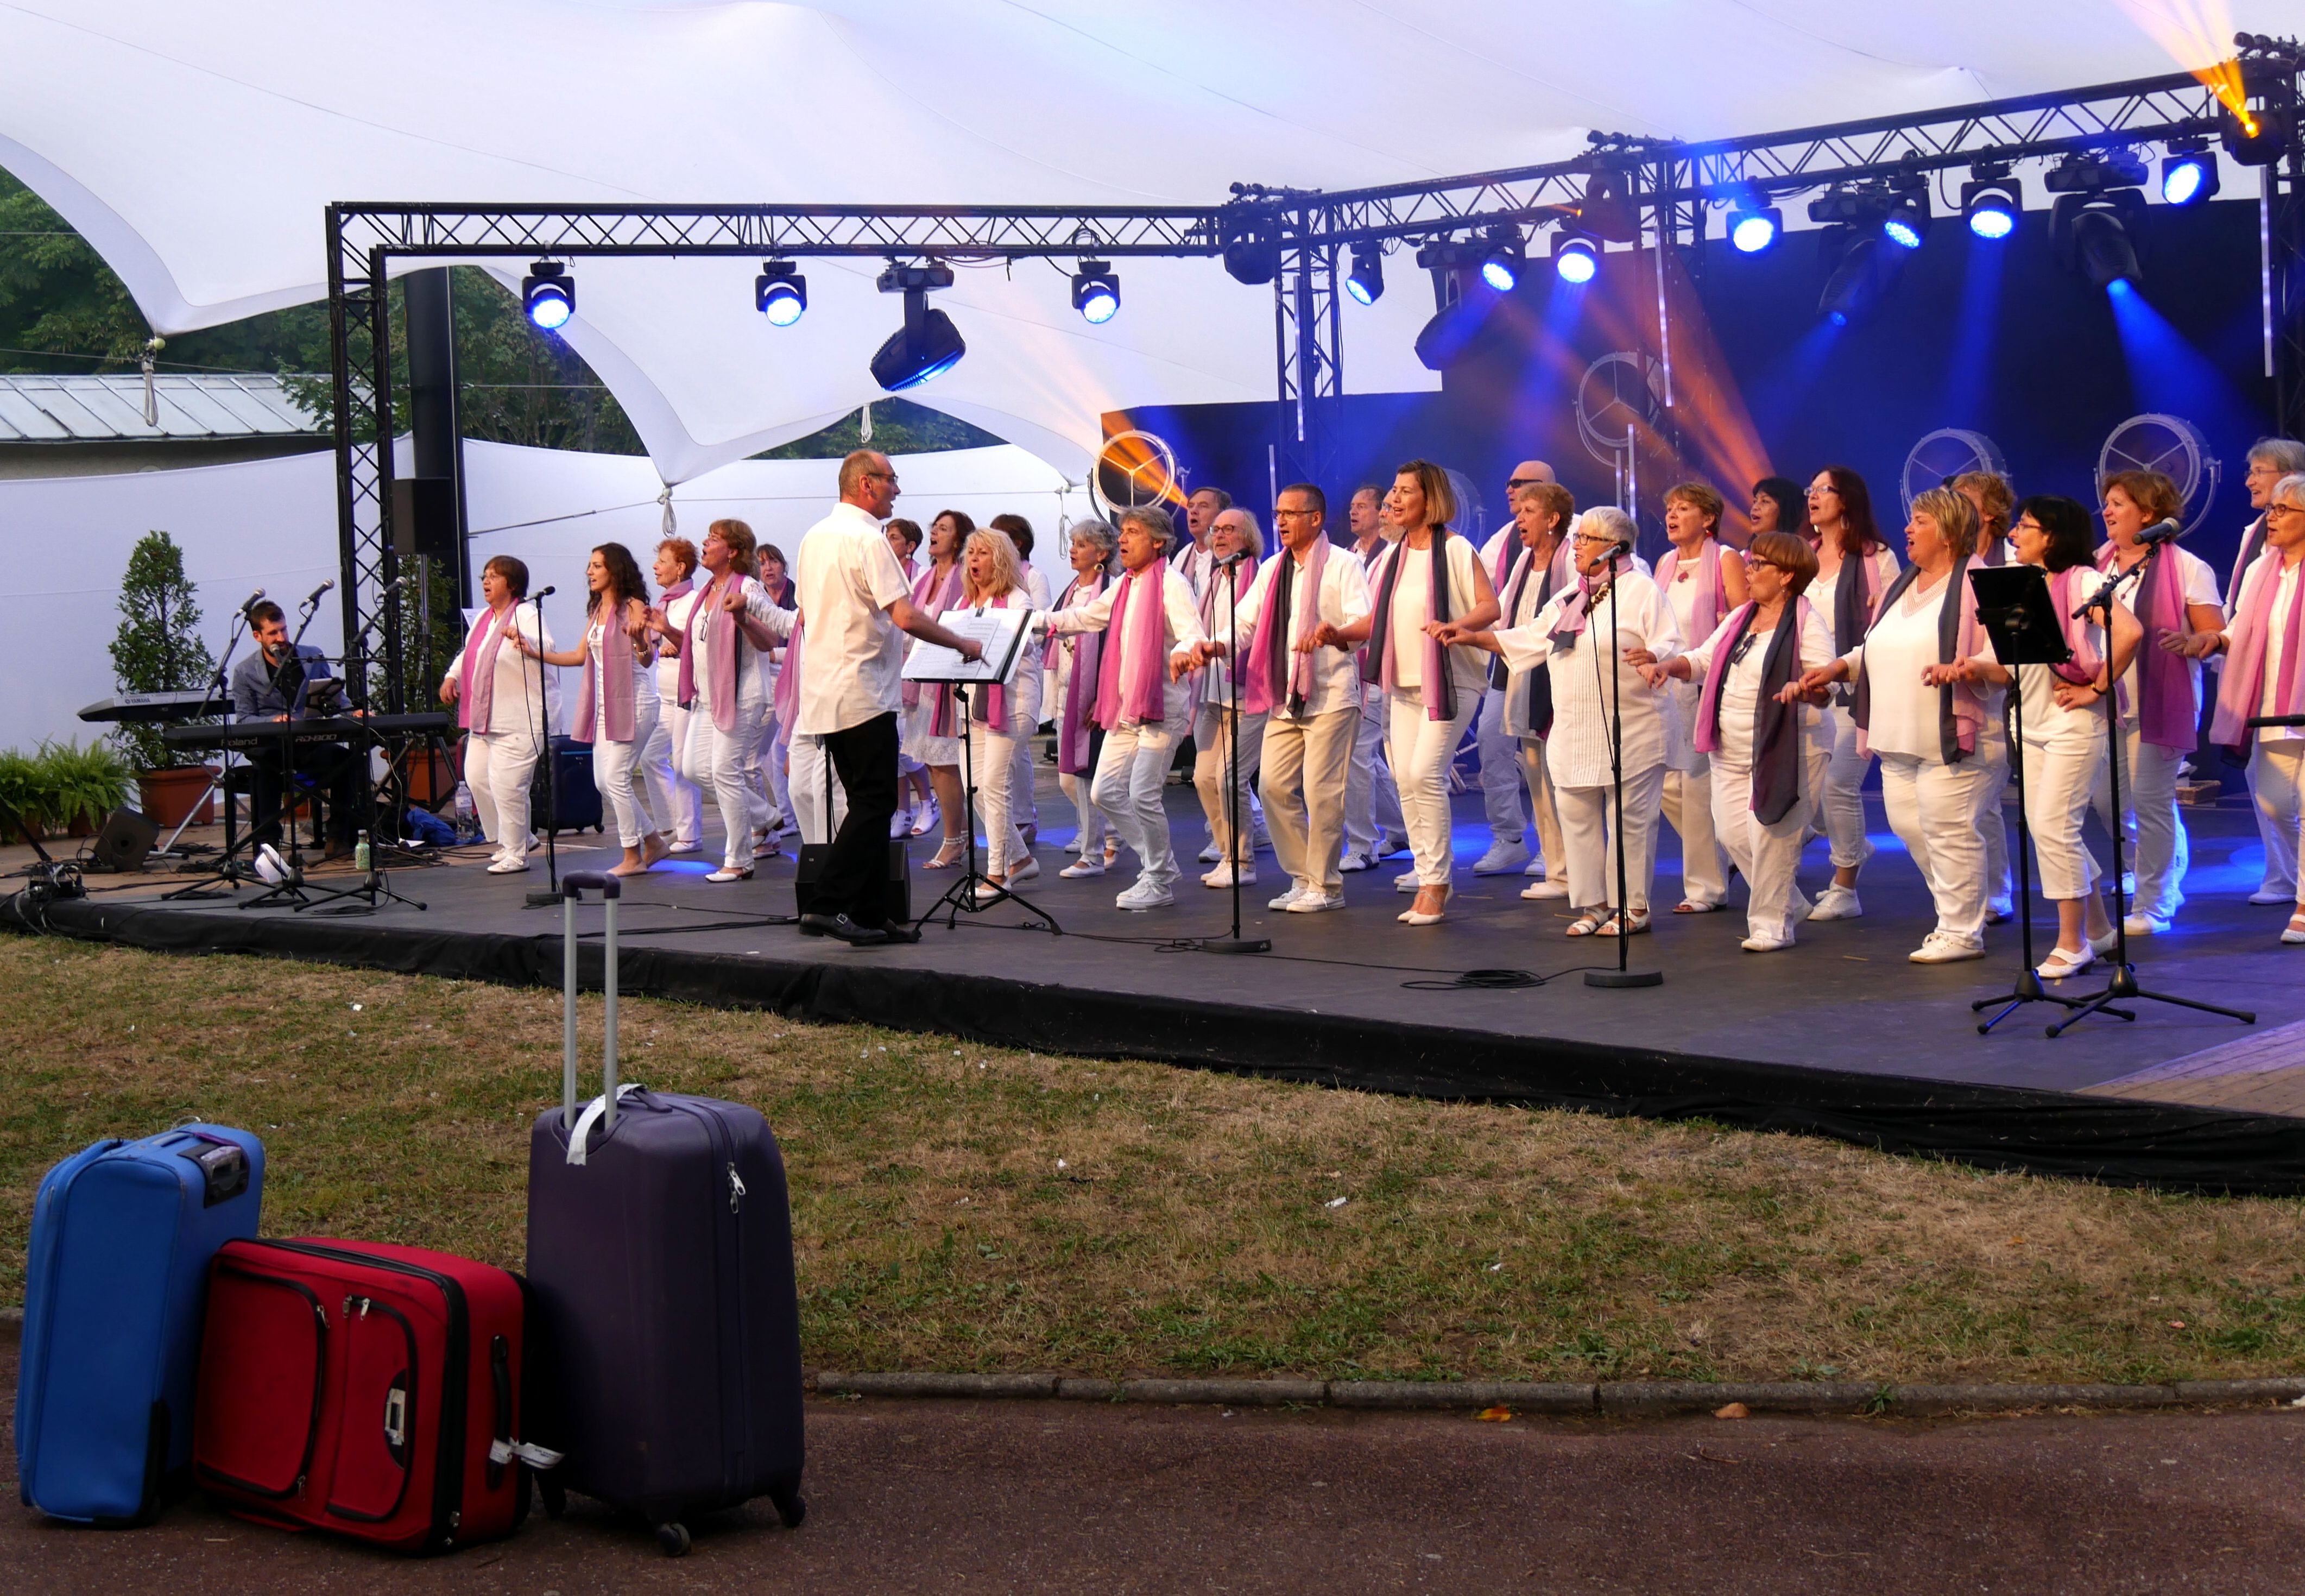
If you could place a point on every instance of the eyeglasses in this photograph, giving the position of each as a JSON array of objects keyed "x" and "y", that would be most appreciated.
[
  {"x": 1515, "y": 484},
  {"x": 2284, "y": 509},
  {"x": 1597, "y": 542},
  {"x": 1756, "y": 565},
  {"x": 1293, "y": 515},
  {"x": 888, "y": 477}
]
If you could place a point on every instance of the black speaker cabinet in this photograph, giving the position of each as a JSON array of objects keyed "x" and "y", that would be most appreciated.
[
  {"x": 122, "y": 845},
  {"x": 424, "y": 516}
]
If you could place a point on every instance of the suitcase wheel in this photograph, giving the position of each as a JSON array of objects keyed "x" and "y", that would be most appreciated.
[
  {"x": 673, "y": 1540},
  {"x": 790, "y": 1505}
]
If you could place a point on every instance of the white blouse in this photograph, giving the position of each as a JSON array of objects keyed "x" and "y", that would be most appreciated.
[
  {"x": 1633, "y": 615},
  {"x": 1740, "y": 686},
  {"x": 1411, "y": 599}
]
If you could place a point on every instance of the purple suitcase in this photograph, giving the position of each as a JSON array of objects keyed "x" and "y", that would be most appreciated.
[{"x": 659, "y": 1251}]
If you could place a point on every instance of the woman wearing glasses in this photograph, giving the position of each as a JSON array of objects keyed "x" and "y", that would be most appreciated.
[
  {"x": 1587, "y": 639},
  {"x": 1764, "y": 736}
]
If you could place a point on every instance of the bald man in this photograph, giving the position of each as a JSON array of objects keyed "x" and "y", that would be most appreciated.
[{"x": 1503, "y": 775}]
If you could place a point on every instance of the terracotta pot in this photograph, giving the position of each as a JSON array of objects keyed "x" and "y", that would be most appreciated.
[
  {"x": 431, "y": 777},
  {"x": 168, "y": 795}
]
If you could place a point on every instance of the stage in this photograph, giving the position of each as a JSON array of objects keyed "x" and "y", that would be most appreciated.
[{"x": 1841, "y": 1036}]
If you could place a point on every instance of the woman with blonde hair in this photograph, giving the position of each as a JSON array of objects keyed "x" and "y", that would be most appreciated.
[
  {"x": 1000, "y": 716},
  {"x": 1996, "y": 504}
]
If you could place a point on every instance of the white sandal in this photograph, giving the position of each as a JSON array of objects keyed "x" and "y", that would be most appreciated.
[
  {"x": 2294, "y": 932},
  {"x": 2061, "y": 964}
]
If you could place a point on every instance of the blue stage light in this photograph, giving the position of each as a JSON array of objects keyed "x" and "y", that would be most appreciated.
[
  {"x": 1500, "y": 266},
  {"x": 1366, "y": 281},
  {"x": 548, "y": 295},
  {"x": 1096, "y": 292},
  {"x": 1575, "y": 261},
  {"x": 1992, "y": 216},
  {"x": 780, "y": 292},
  {"x": 2189, "y": 177},
  {"x": 1907, "y": 221},
  {"x": 1755, "y": 230},
  {"x": 1498, "y": 273}
]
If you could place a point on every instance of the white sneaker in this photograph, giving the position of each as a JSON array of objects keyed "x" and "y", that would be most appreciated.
[
  {"x": 2060, "y": 964},
  {"x": 507, "y": 866},
  {"x": 1941, "y": 948},
  {"x": 1144, "y": 894},
  {"x": 1390, "y": 843},
  {"x": 1504, "y": 856},
  {"x": 1766, "y": 944},
  {"x": 1075, "y": 845},
  {"x": 2145, "y": 925},
  {"x": 1221, "y": 877},
  {"x": 691, "y": 847},
  {"x": 1837, "y": 903},
  {"x": 2271, "y": 895},
  {"x": 1287, "y": 898},
  {"x": 1353, "y": 863},
  {"x": 1026, "y": 869},
  {"x": 1211, "y": 853},
  {"x": 1406, "y": 881},
  {"x": 1536, "y": 867},
  {"x": 1312, "y": 900},
  {"x": 1081, "y": 868},
  {"x": 1540, "y": 890}
]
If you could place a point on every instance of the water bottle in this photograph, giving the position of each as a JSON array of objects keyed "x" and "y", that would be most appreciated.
[
  {"x": 361, "y": 854},
  {"x": 468, "y": 820}
]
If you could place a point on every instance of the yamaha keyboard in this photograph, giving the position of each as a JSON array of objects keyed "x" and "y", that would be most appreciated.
[
  {"x": 316, "y": 728},
  {"x": 145, "y": 709}
]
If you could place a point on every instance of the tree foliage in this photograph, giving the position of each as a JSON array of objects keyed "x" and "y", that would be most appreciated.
[{"x": 158, "y": 648}]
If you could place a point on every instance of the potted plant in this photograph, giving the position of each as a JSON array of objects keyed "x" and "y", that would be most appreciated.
[
  {"x": 80, "y": 785},
  {"x": 158, "y": 648},
  {"x": 21, "y": 797}
]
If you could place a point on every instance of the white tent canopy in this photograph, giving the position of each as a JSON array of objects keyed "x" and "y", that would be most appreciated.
[{"x": 196, "y": 141}]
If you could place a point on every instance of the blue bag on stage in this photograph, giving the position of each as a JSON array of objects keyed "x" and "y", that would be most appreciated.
[{"x": 115, "y": 1286}]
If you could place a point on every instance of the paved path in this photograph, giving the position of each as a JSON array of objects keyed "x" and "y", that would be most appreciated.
[{"x": 1069, "y": 1497}]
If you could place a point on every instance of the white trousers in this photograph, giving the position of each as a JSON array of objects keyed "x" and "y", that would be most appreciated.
[
  {"x": 808, "y": 771},
  {"x": 1372, "y": 801},
  {"x": 1023, "y": 807},
  {"x": 1766, "y": 856},
  {"x": 2058, "y": 782},
  {"x": 1841, "y": 807},
  {"x": 498, "y": 766},
  {"x": 725, "y": 764},
  {"x": 1092, "y": 821},
  {"x": 618, "y": 774},
  {"x": 1542, "y": 809},
  {"x": 1687, "y": 805},
  {"x": 2153, "y": 837},
  {"x": 1304, "y": 767},
  {"x": 1588, "y": 837},
  {"x": 2276, "y": 772},
  {"x": 1993, "y": 745},
  {"x": 993, "y": 760},
  {"x": 1501, "y": 770},
  {"x": 1934, "y": 808},
  {"x": 1129, "y": 775},
  {"x": 776, "y": 771},
  {"x": 1212, "y": 759},
  {"x": 1419, "y": 751},
  {"x": 673, "y": 799}
]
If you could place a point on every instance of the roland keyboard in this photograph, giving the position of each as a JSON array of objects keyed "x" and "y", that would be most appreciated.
[{"x": 315, "y": 729}]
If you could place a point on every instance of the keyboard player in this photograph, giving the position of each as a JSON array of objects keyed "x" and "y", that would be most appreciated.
[{"x": 275, "y": 683}]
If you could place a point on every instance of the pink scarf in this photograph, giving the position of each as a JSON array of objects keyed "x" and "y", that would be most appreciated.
[
  {"x": 1277, "y": 670},
  {"x": 788, "y": 695},
  {"x": 992, "y": 703},
  {"x": 1086, "y": 650},
  {"x": 711, "y": 604},
  {"x": 1508, "y": 546},
  {"x": 617, "y": 690},
  {"x": 2242, "y": 691},
  {"x": 1577, "y": 608},
  {"x": 1214, "y": 616},
  {"x": 1706, "y": 618},
  {"x": 1439, "y": 689},
  {"x": 933, "y": 598},
  {"x": 476, "y": 679},
  {"x": 2067, "y": 589},
  {"x": 1775, "y": 785},
  {"x": 1143, "y": 656},
  {"x": 2170, "y": 715}
]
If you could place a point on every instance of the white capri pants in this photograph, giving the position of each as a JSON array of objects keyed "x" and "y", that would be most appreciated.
[
  {"x": 618, "y": 771},
  {"x": 1767, "y": 856},
  {"x": 1935, "y": 807},
  {"x": 991, "y": 753},
  {"x": 1372, "y": 802},
  {"x": 1419, "y": 751},
  {"x": 1589, "y": 838},
  {"x": 2276, "y": 771},
  {"x": 1992, "y": 744},
  {"x": 2058, "y": 782},
  {"x": 498, "y": 766},
  {"x": 673, "y": 799},
  {"x": 2153, "y": 836},
  {"x": 1841, "y": 805},
  {"x": 722, "y": 761},
  {"x": 1129, "y": 775},
  {"x": 1687, "y": 805}
]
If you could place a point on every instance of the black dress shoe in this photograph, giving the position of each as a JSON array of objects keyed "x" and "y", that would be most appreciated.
[
  {"x": 850, "y": 932},
  {"x": 816, "y": 924},
  {"x": 897, "y": 933}
]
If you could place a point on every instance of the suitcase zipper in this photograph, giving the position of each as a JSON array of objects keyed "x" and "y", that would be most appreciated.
[
  {"x": 408, "y": 1408},
  {"x": 449, "y": 1482},
  {"x": 733, "y": 1279}
]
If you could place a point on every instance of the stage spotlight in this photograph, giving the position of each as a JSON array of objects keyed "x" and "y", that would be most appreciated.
[
  {"x": 1908, "y": 220},
  {"x": 1991, "y": 200},
  {"x": 1868, "y": 268},
  {"x": 1501, "y": 266},
  {"x": 780, "y": 292},
  {"x": 1991, "y": 216},
  {"x": 2085, "y": 172},
  {"x": 1753, "y": 226},
  {"x": 2096, "y": 235},
  {"x": 1096, "y": 292},
  {"x": 2257, "y": 136},
  {"x": 2188, "y": 173},
  {"x": 1252, "y": 245},
  {"x": 1576, "y": 259},
  {"x": 1607, "y": 211},
  {"x": 1366, "y": 281},
  {"x": 928, "y": 344},
  {"x": 548, "y": 295}
]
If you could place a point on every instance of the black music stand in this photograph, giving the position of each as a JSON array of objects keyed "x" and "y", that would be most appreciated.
[
  {"x": 2012, "y": 603},
  {"x": 961, "y": 898},
  {"x": 2122, "y": 986}
]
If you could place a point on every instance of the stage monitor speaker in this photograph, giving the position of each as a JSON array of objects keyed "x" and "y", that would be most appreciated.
[
  {"x": 424, "y": 516},
  {"x": 122, "y": 846}
]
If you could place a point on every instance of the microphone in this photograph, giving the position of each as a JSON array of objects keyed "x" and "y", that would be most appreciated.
[
  {"x": 1230, "y": 561},
  {"x": 252, "y": 600},
  {"x": 541, "y": 593},
  {"x": 315, "y": 596},
  {"x": 2162, "y": 531},
  {"x": 392, "y": 587}
]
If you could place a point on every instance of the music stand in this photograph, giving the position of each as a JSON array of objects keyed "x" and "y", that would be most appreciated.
[
  {"x": 2122, "y": 986},
  {"x": 2012, "y": 605}
]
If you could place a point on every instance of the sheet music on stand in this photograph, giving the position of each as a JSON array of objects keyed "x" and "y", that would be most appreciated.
[{"x": 1000, "y": 633}]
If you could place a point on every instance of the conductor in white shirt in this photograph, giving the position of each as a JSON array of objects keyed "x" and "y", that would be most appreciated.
[{"x": 856, "y": 601}]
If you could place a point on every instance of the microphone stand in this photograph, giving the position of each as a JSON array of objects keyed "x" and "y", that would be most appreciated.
[
  {"x": 2122, "y": 986},
  {"x": 548, "y": 759},
  {"x": 1623, "y": 975},
  {"x": 1233, "y": 943},
  {"x": 228, "y": 871},
  {"x": 289, "y": 680}
]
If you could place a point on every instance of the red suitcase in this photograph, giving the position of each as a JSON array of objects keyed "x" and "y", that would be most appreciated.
[{"x": 368, "y": 1390}]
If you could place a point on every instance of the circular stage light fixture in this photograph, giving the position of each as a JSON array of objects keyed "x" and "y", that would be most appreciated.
[
  {"x": 1753, "y": 226},
  {"x": 2257, "y": 136},
  {"x": 780, "y": 292},
  {"x": 2189, "y": 174},
  {"x": 1096, "y": 292},
  {"x": 2102, "y": 245},
  {"x": 1575, "y": 261},
  {"x": 1366, "y": 281},
  {"x": 1991, "y": 216},
  {"x": 1500, "y": 266},
  {"x": 1908, "y": 221},
  {"x": 548, "y": 295},
  {"x": 1991, "y": 200},
  {"x": 928, "y": 344}
]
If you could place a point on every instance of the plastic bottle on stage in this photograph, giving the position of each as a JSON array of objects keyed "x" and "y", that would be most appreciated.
[
  {"x": 361, "y": 853},
  {"x": 468, "y": 819}
]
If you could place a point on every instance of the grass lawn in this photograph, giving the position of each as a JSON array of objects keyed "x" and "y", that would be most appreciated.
[{"x": 963, "y": 1208}]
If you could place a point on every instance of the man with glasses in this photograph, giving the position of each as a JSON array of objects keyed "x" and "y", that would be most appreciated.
[
  {"x": 1373, "y": 828},
  {"x": 858, "y": 607}
]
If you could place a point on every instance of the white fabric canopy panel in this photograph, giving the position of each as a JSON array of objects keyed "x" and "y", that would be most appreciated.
[
  {"x": 196, "y": 141},
  {"x": 272, "y": 524}
]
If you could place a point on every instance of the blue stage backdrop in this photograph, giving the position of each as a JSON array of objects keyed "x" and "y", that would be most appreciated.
[{"x": 1999, "y": 339}]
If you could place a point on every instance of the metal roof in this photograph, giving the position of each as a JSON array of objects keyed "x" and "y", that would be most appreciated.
[{"x": 110, "y": 409}]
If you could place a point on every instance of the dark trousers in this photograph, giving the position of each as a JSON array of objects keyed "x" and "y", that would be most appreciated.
[
  {"x": 855, "y": 880},
  {"x": 322, "y": 767}
]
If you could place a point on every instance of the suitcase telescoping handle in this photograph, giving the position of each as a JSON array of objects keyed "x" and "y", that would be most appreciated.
[{"x": 572, "y": 891}]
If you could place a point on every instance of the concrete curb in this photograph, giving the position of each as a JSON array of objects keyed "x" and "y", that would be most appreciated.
[{"x": 1616, "y": 1397}]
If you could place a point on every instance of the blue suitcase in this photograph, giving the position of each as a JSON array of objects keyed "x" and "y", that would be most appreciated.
[
  {"x": 115, "y": 1286},
  {"x": 659, "y": 1251}
]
